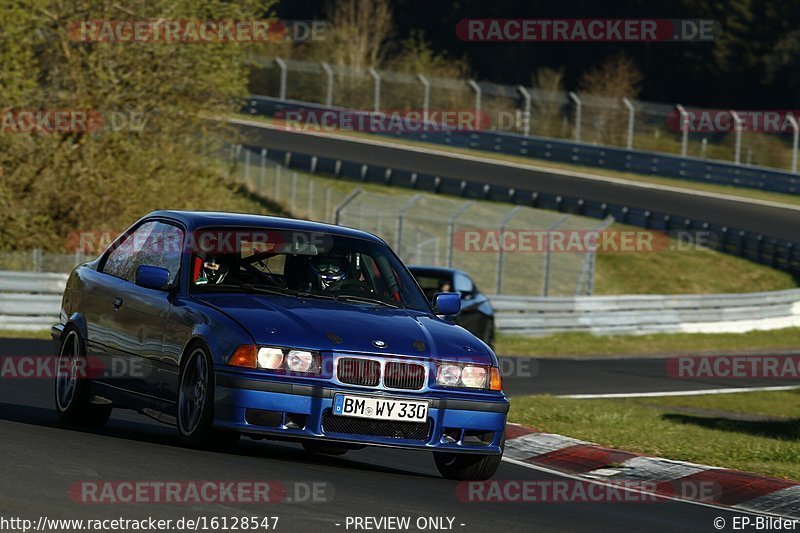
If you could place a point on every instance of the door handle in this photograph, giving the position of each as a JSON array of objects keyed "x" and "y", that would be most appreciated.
[{"x": 117, "y": 302}]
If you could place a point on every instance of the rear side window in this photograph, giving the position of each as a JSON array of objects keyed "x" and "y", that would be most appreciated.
[
  {"x": 162, "y": 248},
  {"x": 121, "y": 262},
  {"x": 153, "y": 244}
]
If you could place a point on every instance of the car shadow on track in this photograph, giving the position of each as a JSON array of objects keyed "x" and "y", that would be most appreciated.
[
  {"x": 784, "y": 429},
  {"x": 123, "y": 425}
]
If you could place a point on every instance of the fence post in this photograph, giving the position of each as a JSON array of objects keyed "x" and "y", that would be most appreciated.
[
  {"x": 426, "y": 96},
  {"x": 684, "y": 120},
  {"x": 398, "y": 237},
  {"x": 327, "y": 216},
  {"x": 548, "y": 254},
  {"x": 578, "y": 106},
  {"x": 247, "y": 168},
  {"x": 795, "y": 138},
  {"x": 501, "y": 251},
  {"x": 349, "y": 198},
  {"x": 37, "y": 259},
  {"x": 277, "y": 182},
  {"x": 526, "y": 113},
  {"x": 284, "y": 71},
  {"x": 329, "y": 91},
  {"x": 451, "y": 227},
  {"x": 631, "y": 117},
  {"x": 377, "y": 93},
  {"x": 294, "y": 192},
  {"x": 310, "y": 197},
  {"x": 262, "y": 176},
  {"x": 737, "y": 132},
  {"x": 477, "y": 89}
]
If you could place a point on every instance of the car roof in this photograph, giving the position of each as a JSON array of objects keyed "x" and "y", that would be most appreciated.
[{"x": 205, "y": 219}]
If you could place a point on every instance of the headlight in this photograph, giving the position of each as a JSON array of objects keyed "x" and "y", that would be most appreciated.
[
  {"x": 467, "y": 376},
  {"x": 276, "y": 359},
  {"x": 448, "y": 375},
  {"x": 474, "y": 377},
  {"x": 299, "y": 361},
  {"x": 270, "y": 358}
]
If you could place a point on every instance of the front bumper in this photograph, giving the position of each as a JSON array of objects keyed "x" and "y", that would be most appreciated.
[{"x": 303, "y": 411}]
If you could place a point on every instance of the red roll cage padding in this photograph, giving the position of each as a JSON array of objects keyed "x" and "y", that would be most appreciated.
[{"x": 198, "y": 264}]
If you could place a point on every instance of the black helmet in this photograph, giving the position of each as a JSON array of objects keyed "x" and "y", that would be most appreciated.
[{"x": 328, "y": 270}]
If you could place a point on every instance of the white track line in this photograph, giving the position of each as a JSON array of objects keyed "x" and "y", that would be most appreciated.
[
  {"x": 509, "y": 164},
  {"x": 676, "y": 393}
]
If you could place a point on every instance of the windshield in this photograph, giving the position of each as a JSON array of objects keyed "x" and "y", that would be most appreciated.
[{"x": 308, "y": 264}]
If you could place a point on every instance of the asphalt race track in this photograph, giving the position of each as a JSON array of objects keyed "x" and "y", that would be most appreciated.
[
  {"x": 42, "y": 460},
  {"x": 766, "y": 219}
]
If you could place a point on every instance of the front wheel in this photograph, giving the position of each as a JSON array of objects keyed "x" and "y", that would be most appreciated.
[
  {"x": 196, "y": 405},
  {"x": 73, "y": 388},
  {"x": 463, "y": 466}
]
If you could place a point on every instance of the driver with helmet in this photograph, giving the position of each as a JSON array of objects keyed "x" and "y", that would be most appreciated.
[{"x": 327, "y": 271}]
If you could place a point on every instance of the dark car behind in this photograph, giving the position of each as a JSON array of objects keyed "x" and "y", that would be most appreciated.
[{"x": 477, "y": 315}]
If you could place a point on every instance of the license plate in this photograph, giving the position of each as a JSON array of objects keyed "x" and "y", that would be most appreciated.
[{"x": 380, "y": 408}]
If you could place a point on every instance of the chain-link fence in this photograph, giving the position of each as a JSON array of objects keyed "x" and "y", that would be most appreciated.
[
  {"x": 424, "y": 229},
  {"x": 531, "y": 111},
  {"x": 37, "y": 260},
  {"x": 429, "y": 229}
]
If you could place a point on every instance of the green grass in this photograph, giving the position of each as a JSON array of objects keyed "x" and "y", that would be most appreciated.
[
  {"x": 644, "y": 178},
  {"x": 669, "y": 427},
  {"x": 586, "y": 344},
  {"x": 699, "y": 271},
  {"x": 24, "y": 334}
]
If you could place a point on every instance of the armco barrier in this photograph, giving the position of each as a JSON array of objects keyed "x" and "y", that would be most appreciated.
[
  {"x": 30, "y": 300},
  {"x": 621, "y": 159},
  {"x": 604, "y": 315}
]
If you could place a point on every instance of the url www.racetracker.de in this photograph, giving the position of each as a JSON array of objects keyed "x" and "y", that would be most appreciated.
[{"x": 144, "y": 525}]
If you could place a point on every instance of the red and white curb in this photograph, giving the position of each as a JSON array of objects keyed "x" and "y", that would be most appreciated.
[{"x": 733, "y": 489}]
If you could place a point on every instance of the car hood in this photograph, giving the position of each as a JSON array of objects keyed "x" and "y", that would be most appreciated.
[{"x": 344, "y": 326}]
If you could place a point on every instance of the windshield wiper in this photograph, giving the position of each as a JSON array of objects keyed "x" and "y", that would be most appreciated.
[
  {"x": 253, "y": 288},
  {"x": 283, "y": 292},
  {"x": 366, "y": 299}
]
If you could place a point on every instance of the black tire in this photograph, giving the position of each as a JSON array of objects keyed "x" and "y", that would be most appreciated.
[
  {"x": 324, "y": 449},
  {"x": 196, "y": 404},
  {"x": 73, "y": 387},
  {"x": 463, "y": 466}
]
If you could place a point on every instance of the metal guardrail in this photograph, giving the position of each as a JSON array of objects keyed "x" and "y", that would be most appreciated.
[
  {"x": 30, "y": 300},
  {"x": 577, "y": 153},
  {"x": 606, "y": 315}
]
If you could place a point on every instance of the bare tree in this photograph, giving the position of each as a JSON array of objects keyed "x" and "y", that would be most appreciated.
[
  {"x": 602, "y": 89},
  {"x": 616, "y": 77},
  {"x": 547, "y": 99},
  {"x": 361, "y": 29}
]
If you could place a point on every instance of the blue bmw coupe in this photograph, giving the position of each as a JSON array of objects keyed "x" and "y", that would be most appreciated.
[{"x": 226, "y": 325}]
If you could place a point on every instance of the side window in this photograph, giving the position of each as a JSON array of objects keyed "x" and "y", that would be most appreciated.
[
  {"x": 122, "y": 261},
  {"x": 162, "y": 248},
  {"x": 463, "y": 284},
  {"x": 154, "y": 244}
]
